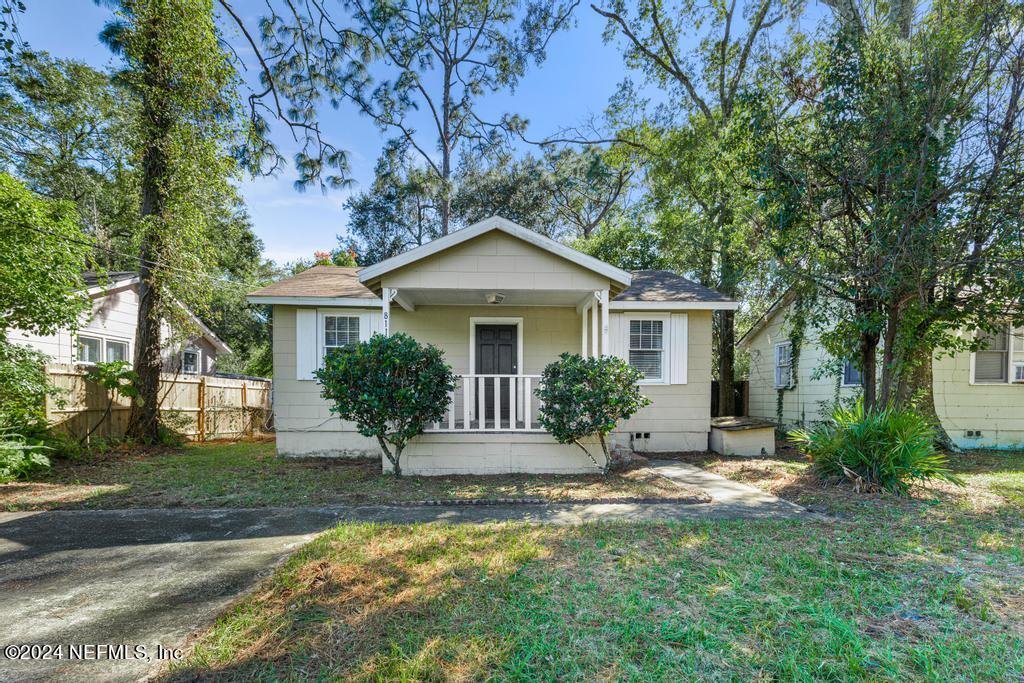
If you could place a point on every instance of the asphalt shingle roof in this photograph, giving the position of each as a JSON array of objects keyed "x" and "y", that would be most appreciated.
[
  {"x": 664, "y": 285},
  {"x": 337, "y": 281},
  {"x": 320, "y": 281}
]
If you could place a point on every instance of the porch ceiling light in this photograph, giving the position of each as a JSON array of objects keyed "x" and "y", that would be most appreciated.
[{"x": 494, "y": 297}]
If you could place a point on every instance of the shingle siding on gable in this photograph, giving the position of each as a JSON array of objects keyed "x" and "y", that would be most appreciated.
[{"x": 495, "y": 260}]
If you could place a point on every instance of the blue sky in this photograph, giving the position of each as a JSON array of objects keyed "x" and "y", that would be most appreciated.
[{"x": 575, "y": 82}]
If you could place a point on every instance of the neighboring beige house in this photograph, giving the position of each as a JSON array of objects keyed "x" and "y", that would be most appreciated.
[
  {"x": 109, "y": 332},
  {"x": 979, "y": 397},
  {"x": 502, "y": 302}
]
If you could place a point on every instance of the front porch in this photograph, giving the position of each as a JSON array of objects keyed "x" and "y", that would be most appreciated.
[{"x": 498, "y": 359}]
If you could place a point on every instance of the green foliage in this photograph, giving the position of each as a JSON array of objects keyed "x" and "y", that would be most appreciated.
[
  {"x": 629, "y": 243},
  {"x": 585, "y": 397},
  {"x": 886, "y": 448},
  {"x": 20, "y": 457},
  {"x": 24, "y": 387},
  {"x": 390, "y": 387},
  {"x": 42, "y": 258}
]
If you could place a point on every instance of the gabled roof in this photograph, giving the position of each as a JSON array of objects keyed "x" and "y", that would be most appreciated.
[
  {"x": 762, "y": 322},
  {"x": 375, "y": 271},
  {"x": 110, "y": 278},
  {"x": 100, "y": 284}
]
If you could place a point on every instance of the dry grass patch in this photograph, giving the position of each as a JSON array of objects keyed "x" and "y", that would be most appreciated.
[{"x": 251, "y": 475}]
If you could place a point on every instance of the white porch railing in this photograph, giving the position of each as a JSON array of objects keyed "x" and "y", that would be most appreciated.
[{"x": 492, "y": 403}]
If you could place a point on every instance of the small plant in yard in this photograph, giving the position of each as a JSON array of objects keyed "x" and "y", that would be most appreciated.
[
  {"x": 116, "y": 379},
  {"x": 20, "y": 457},
  {"x": 390, "y": 387},
  {"x": 585, "y": 397},
  {"x": 887, "y": 448}
]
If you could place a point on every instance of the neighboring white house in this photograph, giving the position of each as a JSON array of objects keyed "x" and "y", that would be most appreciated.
[
  {"x": 979, "y": 397},
  {"x": 109, "y": 332},
  {"x": 502, "y": 302}
]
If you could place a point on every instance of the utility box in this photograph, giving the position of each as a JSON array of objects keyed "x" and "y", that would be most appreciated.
[{"x": 747, "y": 436}]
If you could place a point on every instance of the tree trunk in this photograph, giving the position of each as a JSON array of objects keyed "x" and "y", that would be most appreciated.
[
  {"x": 726, "y": 362},
  {"x": 916, "y": 389},
  {"x": 889, "y": 368},
  {"x": 144, "y": 423},
  {"x": 727, "y": 336},
  {"x": 395, "y": 460},
  {"x": 868, "y": 349}
]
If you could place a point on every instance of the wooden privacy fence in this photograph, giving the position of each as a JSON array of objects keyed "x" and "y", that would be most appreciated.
[{"x": 199, "y": 407}]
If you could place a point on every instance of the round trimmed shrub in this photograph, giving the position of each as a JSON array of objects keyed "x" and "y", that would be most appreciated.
[
  {"x": 390, "y": 387},
  {"x": 585, "y": 397}
]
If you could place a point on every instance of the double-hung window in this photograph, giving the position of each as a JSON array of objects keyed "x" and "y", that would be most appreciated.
[
  {"x": 190, "y": 361},
  {"x": 340, "y": 331},
  {"x": 852, "y": 376},
  {"x": 90, "y": 349},
  {"x": 117, "y": 351},
  {"x": 783, "y": 365},
  {"x": 1000, "y": 358},
  {"x": 647, "y": 348}
]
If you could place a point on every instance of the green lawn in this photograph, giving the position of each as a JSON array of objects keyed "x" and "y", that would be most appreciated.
[
  {"x": 251, "y": 475},
  {"x": 930, "y": 588}
]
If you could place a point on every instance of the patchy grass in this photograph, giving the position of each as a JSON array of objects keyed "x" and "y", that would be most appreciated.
[
  {"x": 927, "y": 588},
  {"x": 251, "y": 475}
]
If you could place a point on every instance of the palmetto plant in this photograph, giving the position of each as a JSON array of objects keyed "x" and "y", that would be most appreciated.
[{"x": 886, "y": 448}]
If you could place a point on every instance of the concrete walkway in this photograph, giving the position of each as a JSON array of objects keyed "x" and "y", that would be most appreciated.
[
  {"x": 153, "y": 577},
  {"x": 726, "y": 494}
]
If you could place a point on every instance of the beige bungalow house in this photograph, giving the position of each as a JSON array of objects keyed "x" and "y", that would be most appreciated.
[
  {"x": 502, "y": 302},
  {"x": 979, "y": 396}
]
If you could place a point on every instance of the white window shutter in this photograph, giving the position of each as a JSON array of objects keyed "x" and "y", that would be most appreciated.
[
  {"x": 306, "y": 345},
  {"x": 616, "y": 337},
  {"x": 370, "y": 323},
  {"x": 679, "y": 344}
]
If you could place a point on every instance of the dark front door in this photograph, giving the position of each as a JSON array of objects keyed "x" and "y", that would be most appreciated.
[{"x": 496, "y": 351}]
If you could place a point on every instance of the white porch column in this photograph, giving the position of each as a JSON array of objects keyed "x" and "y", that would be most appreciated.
[
  {"x": 583, "y": 331},
  {"x": 603, "y": 298},
  {"x": 594, "y": 335},
  {"x": 387, "y": 294}
]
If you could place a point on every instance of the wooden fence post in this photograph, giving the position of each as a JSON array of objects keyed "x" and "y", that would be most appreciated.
[
  {"x": 246, "y": 422},
  {"x": 202, "y": 410}
]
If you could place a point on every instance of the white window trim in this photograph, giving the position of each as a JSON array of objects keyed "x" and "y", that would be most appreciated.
[
  {"x": 199, "y": 360},
  {"x": 1010, "y": 362},
  {"x": 322, "y": 314},
  {"x": 843, "y": 382},
  {"x": 666, "y": 343},
  {"x": 474, "y": 321},
  {"x": 775, "y": 364},
  {"x": 103, "y": 339}
]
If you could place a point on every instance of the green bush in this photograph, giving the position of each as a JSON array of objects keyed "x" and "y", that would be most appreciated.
[
  {"x": 888, "y": 448},
  {"x": 23, "y": 388},
  {"x": 584, "y": 397},
  {"x": 20, "y": 457},
  {"x": 390, "y": 387}
]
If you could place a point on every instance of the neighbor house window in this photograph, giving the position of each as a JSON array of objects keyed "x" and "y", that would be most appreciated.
[
  {"x": 190, "y": 362},
  {"x": 117, "y": 351},
  {"x": 851, "y": 375},
  {"x": 783, "y": 365},
  {"x": 340, "y": 331},
  {"x": 90, "y": 350},
  {"x": 647, "y": 347},
  {"x": 1002, "y": 357}
]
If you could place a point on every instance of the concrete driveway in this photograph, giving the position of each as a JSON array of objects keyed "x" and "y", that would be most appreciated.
[{"x": 141, "y": 577}]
